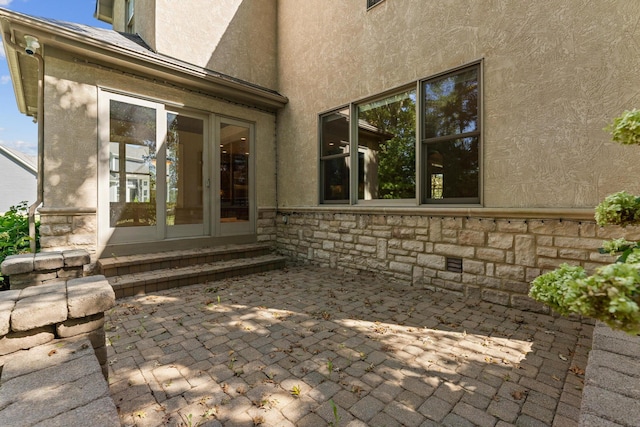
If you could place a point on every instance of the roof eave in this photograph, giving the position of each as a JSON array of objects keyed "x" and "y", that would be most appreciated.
[
  {"x": 175, "y": 71},
  {"x": 14, "y": 68}
]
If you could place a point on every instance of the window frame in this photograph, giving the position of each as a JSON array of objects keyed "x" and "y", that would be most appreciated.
[
  {"x": 373, "y": 3},
  {"x": 129, "y": 16},
  {"x": 421, "y": 179},
  {"x": 322, "y": 158},
  {"x": 465, "y": 201},
  {"x": 355, "y": 147}
]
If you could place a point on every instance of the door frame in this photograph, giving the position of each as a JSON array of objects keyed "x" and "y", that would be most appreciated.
[
  {"x": 234, "y": 228},
  {"x": 212, "y": 227}
]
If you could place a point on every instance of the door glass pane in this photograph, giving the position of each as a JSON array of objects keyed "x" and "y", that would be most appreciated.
[
  {"x": 185, "y": 139},
  {"x": 387, "y": 148},
  {"x": 132, "y": 154},
  {"x": 234, "y": 173}
]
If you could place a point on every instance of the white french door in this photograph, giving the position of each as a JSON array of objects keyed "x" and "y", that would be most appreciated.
[
  {"x": 235, "y": 213},
  {"x": 161, "y": 177}
]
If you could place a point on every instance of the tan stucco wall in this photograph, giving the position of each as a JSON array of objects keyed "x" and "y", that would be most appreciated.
[
  {"x": 234, "y": 37},
  {"x": 554, "y": 74},
  {"x": 70, "y": 135},
  {"x": 145, "y": 21},
  {"x": 71, "y": 94}
]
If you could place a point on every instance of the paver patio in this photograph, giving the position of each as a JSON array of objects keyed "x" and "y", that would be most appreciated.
[{"x": 286, "y": 348}]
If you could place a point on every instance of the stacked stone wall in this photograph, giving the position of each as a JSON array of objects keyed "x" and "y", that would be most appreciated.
[
  {"x": 500, "y": 256},
  {"x": 39, "y": 312},
  {"x": 266, "y": 226},
  {"x": 61, "y": 229},
  {"x": 44, "y": 267}
]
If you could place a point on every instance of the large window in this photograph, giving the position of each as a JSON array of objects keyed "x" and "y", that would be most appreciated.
[
  {"x": 387, "y": 147},
  {"x": 335, "y": 161},
  {"x": 451, "y": 138},
  {"x": 375, "y": 159}
]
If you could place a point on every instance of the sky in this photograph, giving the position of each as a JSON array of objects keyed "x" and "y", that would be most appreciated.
[{"x": 17, "y": 130}]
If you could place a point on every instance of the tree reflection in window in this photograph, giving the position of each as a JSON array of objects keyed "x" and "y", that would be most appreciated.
[
  {"x": 387, "y": 141},
  {"x": 132, "y": 154},
  {"x": 451, "y": 137}
]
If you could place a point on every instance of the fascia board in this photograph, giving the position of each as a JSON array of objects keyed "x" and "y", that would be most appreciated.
[
  {"x": 14, "y": 68},
  {"x": 169, "y": 69}
]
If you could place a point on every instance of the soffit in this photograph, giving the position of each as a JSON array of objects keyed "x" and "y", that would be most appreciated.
[{"x": 126, "y": 52}]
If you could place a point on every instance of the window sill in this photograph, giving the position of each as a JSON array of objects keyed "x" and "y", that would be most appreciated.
[{"x": 475, "y": 211}]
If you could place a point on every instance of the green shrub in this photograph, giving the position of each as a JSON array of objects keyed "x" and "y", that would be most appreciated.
[
  {"x": 619, "y": 208},
  {"x": 611, "y": 295},
  {"x": 14, "y": 232},
  {"x": 558, "y": 288},
  {"x": 625, "y": 129}
]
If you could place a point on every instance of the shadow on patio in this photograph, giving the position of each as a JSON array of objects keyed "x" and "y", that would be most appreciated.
[{"x": 288, "y": 347}]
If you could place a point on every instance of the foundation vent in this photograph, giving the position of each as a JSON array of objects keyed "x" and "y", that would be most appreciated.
[{"x": 454, "y": 265}]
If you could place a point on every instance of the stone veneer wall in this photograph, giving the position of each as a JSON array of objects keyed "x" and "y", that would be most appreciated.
[
  {"x": 500, "y": 256},
  {"x": 68, "y": 228},
  {"x": 26, "y": 270},
  {"x": 266, "y": 226},
  {"x": 40, "y": 312}
]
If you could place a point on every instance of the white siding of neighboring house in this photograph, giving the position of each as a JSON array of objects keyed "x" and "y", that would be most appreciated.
[{"x": 17, "y": 182}]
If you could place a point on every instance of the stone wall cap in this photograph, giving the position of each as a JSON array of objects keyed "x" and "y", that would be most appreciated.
[
  {"x": 76, "y": 257},
  {"x": 48, "y": 261},
  {"x": 76, "y": 383},
  {"x": 7, "y": 303},
  {"x": 17, "y": 264},
  {"x": 89, "y": 295},
  {"x": 39, "y": 310},
  {"x": 32, "y": 291},
  {"x": 11, "y": 295},
  {"x": 40, "y": 357}
]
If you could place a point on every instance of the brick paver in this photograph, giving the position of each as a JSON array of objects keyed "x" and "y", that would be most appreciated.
[{"x": 287, "y": 348}]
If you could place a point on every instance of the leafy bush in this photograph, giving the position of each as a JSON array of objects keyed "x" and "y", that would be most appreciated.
[
  {"x": 14, "y": 232},
  {"x": 612, "y": 294},
  {"x": 626, "y": 128},
  {"x": 619, "y": 208},
  {"x": 558, "y": 288}
]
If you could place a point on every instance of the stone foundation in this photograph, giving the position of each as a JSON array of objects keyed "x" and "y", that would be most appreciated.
[
  {"x": 62, "y": 228},
  {"x": 491, "y": 259},
  {"x": 266, "y": 225}
]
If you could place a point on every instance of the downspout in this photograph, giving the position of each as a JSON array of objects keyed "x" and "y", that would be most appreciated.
[
  {"x": 40, "y": 173},
  {"x": 40, "y": 120}
]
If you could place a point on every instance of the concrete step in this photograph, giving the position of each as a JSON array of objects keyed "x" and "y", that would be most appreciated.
[
  {"x": 150, "y": 281},
  {"x": 130, "y": 264}
]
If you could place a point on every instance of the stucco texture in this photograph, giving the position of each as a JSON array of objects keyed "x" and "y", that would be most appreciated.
[
  {"x": 234, "y": 37},
  {"x": 71, "y": 129},
  {"x": 555, "y": 73}
]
